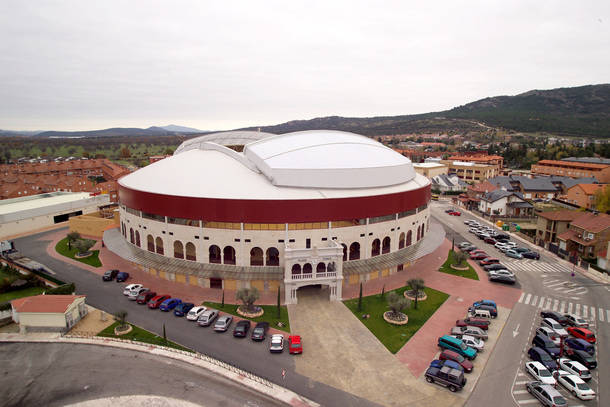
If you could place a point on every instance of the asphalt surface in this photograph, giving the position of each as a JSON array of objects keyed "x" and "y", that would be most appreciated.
[
  {"x": 243, "y": 353},
  {"x": 53, "y": 374},
  {"x": 501, "y": 382}
]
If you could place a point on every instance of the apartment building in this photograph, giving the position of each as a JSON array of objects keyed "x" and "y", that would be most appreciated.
[{"x": 573, "y": 169}]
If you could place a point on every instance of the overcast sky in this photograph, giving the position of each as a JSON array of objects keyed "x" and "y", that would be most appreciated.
[{"x": 79, "y": 65}]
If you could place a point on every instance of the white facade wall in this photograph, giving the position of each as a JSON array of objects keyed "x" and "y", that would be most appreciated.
[
  {"x": 363, "y": 234},
  {"x": 490, "y": 207}
]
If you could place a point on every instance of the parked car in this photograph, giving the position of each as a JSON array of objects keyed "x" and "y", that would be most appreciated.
[
  {"x": 449, "y": 210},
  {"x": 455, "y": 213},
  {"x": 129, "y": 287},
  {"x": 470, "y": 248},
  {"x": 575, "y": 320},
  {"x": 479, "y": 256},
  {"x": 582, "y": 333},
  {"x": 549, "y": 333},
  {"x": 513, "y": 254},
  {"x": 546, "y": 394},
  {"x": 574, "y": 367},
  {"x": 512, "y": 245},
  {"x": 259, "y": 333},
  {"x": 488, "y": 261},
  {"x": 456, "y": 357},
  {"x": 479, "y": 322},
  {"x": 580, "y": 344},
  {"x": 545, "y": 343},
  {"x": 473, "y": 342},
  {"x": 555, "y": 326},
  {"x": 241, "y": 328},
  {"x": 207, "y": 317},
  {"x": 195, "y": 312},
  {"x": 223, "y": 323},
  {"x": 169, "y": 304},
  {"x": 183, "y": 308},
  {"x": 503, "y": 278},
  {"x": 134, "y": 293},
  {"x": 277, "y": 343},
  {"x": 464, "y": 244},
  {"x": 456, "y": 345},
  {"x": 146, "y": 296},
  {"x": 583, "y": 358},
  {"x": 540, "y": 355},
  {"x": 490, "y": 240},
  {"x": 521, "y": 249},
  {"x": 440, "y": 363},
  {"x": 110, "y": 275},
  {"x": 531, "y": 255},
  {"x": 493, "y": 311},
  {"x": 156, "y": 302},
  {"x": 540, "y": 373},
  {"x": 554, "y": 315},
  {"x": 577, "y": 387},
  {"x": 473, "y": 230},
  {"x": 122, "y": 276},
  {"x": 453, "y": 379},
  {"x": 499, "y": 244},
  {"x": 294, "y": 345},
  {"x": 477, "y": 251},
  {"x": 496, "y": 266},
  {"x": 474, "y": 331},
  {"x": 485, "y": 302}
]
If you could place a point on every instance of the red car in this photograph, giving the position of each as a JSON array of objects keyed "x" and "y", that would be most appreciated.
[
  {"x": 477, "y": 251},
  {"x": 155, "y": 302},
  {"x": 456, "y": 357},
  {"x": 490, "y": 240},
  {"x": 479, "y": 256},
  {"x": 582, "y": 333},
  {"x": 294, "y": 344},
  {"x": 478, "y": 322},
  {"x": 455, "y": 213},
  {"x": 488, "y": 261},
  {"x": 145, "y": 297}
]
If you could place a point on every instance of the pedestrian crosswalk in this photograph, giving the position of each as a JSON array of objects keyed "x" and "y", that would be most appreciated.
[
  {"x": 565, "y": 288},
  {"x": 588, "y": 312},
  {"x": 536, "y": 266}
]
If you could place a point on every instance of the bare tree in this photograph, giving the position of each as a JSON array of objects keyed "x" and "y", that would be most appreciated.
[
  {"x": 417, "y": 288},
  {"x": 397, "y": 304},
  {"x": 248, "y": 296}
]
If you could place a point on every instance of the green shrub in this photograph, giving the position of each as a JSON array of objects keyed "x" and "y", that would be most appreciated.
[
  {"x": 5, "y": 306},
  {"x": 65, "y": 289}
]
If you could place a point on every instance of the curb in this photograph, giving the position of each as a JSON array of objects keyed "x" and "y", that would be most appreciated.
[{"x": 226, "y": 370}]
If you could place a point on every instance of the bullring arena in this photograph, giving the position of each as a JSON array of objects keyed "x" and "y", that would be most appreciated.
[{"x": 251, "y": 209}]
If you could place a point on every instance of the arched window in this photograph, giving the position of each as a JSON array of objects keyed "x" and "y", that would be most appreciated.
[
  {"x": 307, "y": 268},
  {"x": 131, "y": 235},
  {"x": 296, "y": 269},
  {"x": 385, "y": 248},
  {"x": 191, "y": 251},
  {"x": 178, "y": 249},
  {"x": 423, "y": 229},
  {"x": 375, "y": 248},
  {"x": 344, "y": 252},
  {"x": 159, "y": 244},
  {"x": 401, "y": 240},
  {"x": 409, "y": 238},
  {"x": 229, "y": 255},
  {"x": 418, "y": 233},
  {"x": 272, "y": 257},
  {"x": 123, "y": 229},
  {"x": 151, "y": 243},
  {"x": 321, "y": 268},
  {"x": 331, "y": 267},
  {"x": 214, "y": 252},
  {"x": 354, "y": 251},
  {"x": 138, "y": 238},
  {"x": 256, "y": 256}
]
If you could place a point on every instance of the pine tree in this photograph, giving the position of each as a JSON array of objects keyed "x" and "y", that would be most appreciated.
[
  {"x": 360, "y": 299},
  {"x": 279, "y": 313}
]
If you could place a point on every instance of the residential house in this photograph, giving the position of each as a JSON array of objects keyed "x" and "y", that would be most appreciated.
[
  {"x": 448, "y": 183},
  {"x": 573, "y": 169},
  {"x": 430, "y": 170},
  {"x": 584, "y": 195},
  {"x": 603, "y": 258},
  {"x": 505, "y": 203},
  {"x": 473, "y": 195},
  {"x": 471, "y": 171},
  {"x": 553, "y": 223},
  {"x": 587, "y": 235},
  {"x": 48, "y": 313}
]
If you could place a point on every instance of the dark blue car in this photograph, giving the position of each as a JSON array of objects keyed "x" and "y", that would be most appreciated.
[
  {"x": 452, "y": 364},
  {"x": 170, "y": 304},
  {"x": 183, "y": 308},
  {"x": 546, "y": 344},
  {"x": 485, "y": 302},
  {"x": 540, "y": 355},
  {"x": 580, "y": 344},
  {"x": 122, "y": 276}
]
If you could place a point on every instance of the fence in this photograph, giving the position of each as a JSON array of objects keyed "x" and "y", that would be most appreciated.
[{"x": 196, "y": 355}]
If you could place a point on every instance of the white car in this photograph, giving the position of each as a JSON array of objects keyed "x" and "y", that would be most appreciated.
[
  {"x": 195, "y": 312},
  {"x": 575, "y": 320},
  {"x": 549, "y": 333},
  {"x": 134, "y": 292},
  {"x": 555, "y": 326},
  {"x": 277, "y": 343},
  {"x": 473, "y": 230},
  {"x": 473, "y": 342},
  {"x": 129, "y": 287},
  {"x": 464, "y": 244},
  {"x": 511, "y": 244},
  {"x": 577, "y": 387},
  {"x": 501, "y": 273},
  {"x": 500, "y": 245},
  {"x": 575, "y": 368},
  {"x": 540, "y": 373}
]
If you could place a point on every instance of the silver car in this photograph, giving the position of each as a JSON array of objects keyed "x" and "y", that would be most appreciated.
[
  {"x": 277, "y": 343},
  {"x": 473, "y": 331},
  {"x": 546, "y": 394},
  {"x": 207, "y": 317},
  {"x": 223, "y": 323},
  {"x": 134, "y": 292}
]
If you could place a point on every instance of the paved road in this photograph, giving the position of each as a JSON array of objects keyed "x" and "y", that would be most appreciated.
[
  {"x": 546, "y": 284},
  {"x": 53, "y": 374},
  {"x": 244, "y": 353}
]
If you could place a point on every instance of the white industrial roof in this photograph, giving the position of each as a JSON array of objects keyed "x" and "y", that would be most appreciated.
[
  {"x": 304, "y": 165},
  {"x": 428, "y": 165},
  {"x": 227, "y": 138},
  {"x": 8, "y": 206}
]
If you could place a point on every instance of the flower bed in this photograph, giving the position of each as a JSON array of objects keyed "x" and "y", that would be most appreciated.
[{"x": 389, "y": 318}]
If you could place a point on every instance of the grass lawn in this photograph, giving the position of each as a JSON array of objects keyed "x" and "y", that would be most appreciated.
[
  {"x": 62, "y": 248},
  {"x": 394, "y": 337},
  {"x": 270, "y": 314},
  {"x": 141, "y": 335},
  {"x": 446, "y": 268},
  {"x": 26, "y": 292}
]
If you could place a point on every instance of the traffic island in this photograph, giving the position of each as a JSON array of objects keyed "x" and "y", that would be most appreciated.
[{"x": 450, "y": 267}]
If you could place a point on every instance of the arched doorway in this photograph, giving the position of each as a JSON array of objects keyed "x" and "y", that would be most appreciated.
[
  {"x": 138, "y": 238},
  {"x": 321, "y": 268},
  {"x": 191, "y": 252},
  {"x": 307, "y": 269},
  {"x": 214, "y": 254},
  {"x": 409, "y": 238},
  {"x": 375, "y": 248},
  {"x": 401, "y": 241},
  {"x": 354, "y": 251},
  {"x": 344, "y": 252},
  {"x": 385, "y": 248},
  {"x": 273, "y": 257},
  {"x": 229, "y": 255},
  {"x": 131, "y": 236},
  {"x": 178, "y": 249},
  {"x": 296, "y": 270},
  {"x": 151, "y": 243},
  {"x": 159, "y": 243},
  {"x": 256, "y": 256}
]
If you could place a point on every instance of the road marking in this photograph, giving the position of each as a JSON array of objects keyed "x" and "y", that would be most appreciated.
[
  {"x": 521, "y": 298},
  {"x": 601, "y": 314},
  {"x": 520, "y": 391},
  {"x": 584, "y": 311},
  {"x": 541, "y": 303},
  {"x": 556, "y": 305},
  {"x": 534, "y": 300},
  {"x": 608, "y": 315},
  {"x": 522, "y": 374},
  {"x": 592, "y": 315},
  {"x": 527, "y": 299},
  {"x": 554, "y": 284},
  {"x": 574, "y": 289},
  {"x": 548, "y": 303},
  {"x": 577, "y": 309},
  {"x": 562, "y": 309},
  {"x": 530, "y": 401},
  {"x": 521, "y": 382},
  {"x": 569, "y": 308}
]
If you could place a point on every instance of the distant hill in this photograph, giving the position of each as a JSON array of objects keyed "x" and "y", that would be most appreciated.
[
  {"x": 121, "y": 132},
  {"x": 579, "y": 111},
  {"x": 181, "y": 129}
]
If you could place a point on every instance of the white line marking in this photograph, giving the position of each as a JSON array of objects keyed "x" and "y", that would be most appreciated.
[
  {"x": 521, "y": 298},
  {"x": 534, "y": 300},
  {"x": 527, "y": 299},
  {"x": 531, "y": 401},
  {"x": 521, "y": 382},
  {"x": 608, "y": 315},
  {"x": 584, "y": 311},
  {"x": 577, "y": 309},
  {"x": 548, "y": 303},
  {"x": 601, "y": 314},
  {"x": 520, "y": 391},
  {"x": 541, "y": 302},
  {"x": 569, "y": 308},
  {"x": 562, "y": 308},
  {"x": 556, "y": 305}
]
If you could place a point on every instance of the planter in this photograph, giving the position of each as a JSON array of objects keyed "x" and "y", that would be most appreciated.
[
  {"x": 118, "y": 331},
  {"x": 83, "y": 255},
  {"x": 389, "y": 320},
  {"x": 255, "y": 314},
  {"x": 459, "y": 268},
  {"x": 422, "y": 296}
]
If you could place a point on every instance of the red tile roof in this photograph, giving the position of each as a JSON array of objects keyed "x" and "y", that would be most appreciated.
[
  {"x": 590, "y": 189},
  {"x": 484, "y": 186},
  {"x": 564, "y": 214},
  {"x": 591, "y": 222},
  {"x": 45, "y": 303},
  {"x": 565, "y": 164}
]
